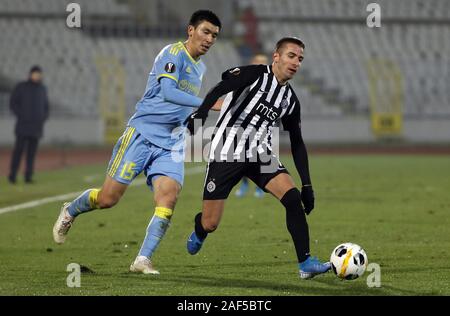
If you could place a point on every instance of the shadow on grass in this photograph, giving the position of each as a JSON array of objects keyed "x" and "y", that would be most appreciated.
[
  {"x": 320, "y": 285},
  {"x": 202, "y": 282}
]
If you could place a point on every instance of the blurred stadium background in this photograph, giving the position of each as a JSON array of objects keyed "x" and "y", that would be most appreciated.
[{"x": 357, "y": 84}]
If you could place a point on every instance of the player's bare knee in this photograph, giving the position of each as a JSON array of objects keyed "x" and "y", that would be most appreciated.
[{"x": 166, "y": 197}]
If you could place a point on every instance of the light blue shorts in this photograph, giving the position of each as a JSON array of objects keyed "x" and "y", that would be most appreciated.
[{"x": 133, "y": 154}]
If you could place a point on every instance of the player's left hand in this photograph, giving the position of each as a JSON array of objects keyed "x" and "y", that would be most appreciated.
[
  {"x": 307, "y": 195},
  {"x": 194, "y": 117}
]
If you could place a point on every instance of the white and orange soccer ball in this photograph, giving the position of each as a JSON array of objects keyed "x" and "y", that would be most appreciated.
[{"x": 348, "y": 261}]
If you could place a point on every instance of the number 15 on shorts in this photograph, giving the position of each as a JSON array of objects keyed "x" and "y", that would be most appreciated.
[{"x": 127, "y": 172}]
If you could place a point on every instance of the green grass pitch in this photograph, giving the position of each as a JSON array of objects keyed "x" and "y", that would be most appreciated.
[{"x": 396, "y": 207}]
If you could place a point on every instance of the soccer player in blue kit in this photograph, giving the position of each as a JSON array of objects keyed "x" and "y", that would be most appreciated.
[{"x": 151, "y": 136}]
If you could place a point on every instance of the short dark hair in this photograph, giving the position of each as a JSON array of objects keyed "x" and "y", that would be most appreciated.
[
  {"x": 290, "y": 39},
  {"x": 204, "y": 15}
]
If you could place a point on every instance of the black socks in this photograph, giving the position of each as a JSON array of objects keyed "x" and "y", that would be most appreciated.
[
  {"x": 296, "y": 223},
  {"x": 199, "y": 230}
]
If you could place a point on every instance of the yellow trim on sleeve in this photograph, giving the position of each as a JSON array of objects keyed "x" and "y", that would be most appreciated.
[
  {"x": 168, "y": 76},
  {"x": 175, "y": 49}
]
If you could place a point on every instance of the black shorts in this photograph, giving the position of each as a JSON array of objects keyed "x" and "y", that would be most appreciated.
[{"x": 221, "y": 177}]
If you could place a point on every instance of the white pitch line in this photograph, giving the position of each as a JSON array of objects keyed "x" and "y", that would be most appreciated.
[{"x": 71, "y": 195}]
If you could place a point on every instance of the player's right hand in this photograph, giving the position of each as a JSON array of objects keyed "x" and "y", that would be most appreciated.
[{"x": 194, "y": 121}]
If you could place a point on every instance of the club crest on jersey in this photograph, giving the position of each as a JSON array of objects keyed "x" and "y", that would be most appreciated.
[
  {"x": 188, "y": 70},
  {"x": 284, "y": 103},
  {"x": 211, "y": 186},
  {"x": 170, "y": 68}
]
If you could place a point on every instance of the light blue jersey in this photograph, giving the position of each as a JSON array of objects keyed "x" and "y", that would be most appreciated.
[{"x": 160, "y": 121}]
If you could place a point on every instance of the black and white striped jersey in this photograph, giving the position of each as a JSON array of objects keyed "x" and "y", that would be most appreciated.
[{"x": 249, "y": 113}]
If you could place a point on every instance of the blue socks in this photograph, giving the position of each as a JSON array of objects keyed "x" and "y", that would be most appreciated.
[
  {"x": 86, "y": 202},
  {"x": 155, "y": 231}
]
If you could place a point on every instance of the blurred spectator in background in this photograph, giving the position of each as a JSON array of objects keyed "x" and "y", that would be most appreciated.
[
  {"x": 257, "y": 59},
  {"x": 246, "y": 32},
  {"x": 29, "y": 103}
]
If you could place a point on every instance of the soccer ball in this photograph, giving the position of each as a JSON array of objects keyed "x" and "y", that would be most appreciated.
[{"x": 348, "y": 261}]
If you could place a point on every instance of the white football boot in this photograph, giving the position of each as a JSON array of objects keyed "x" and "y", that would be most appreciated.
[
  {"x": 143, "y": 265},
  {"x": 62, "y": 225}
]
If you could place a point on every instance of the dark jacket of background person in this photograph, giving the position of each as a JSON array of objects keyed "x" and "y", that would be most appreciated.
[{"x": 29, "y": 103}]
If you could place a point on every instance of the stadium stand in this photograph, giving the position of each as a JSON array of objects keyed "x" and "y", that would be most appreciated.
[
  {"x": 428, "y": 9},
  {"x": 68, "y": 58},
  {"x": 339, "y": 46},
  {"x": 47, "y": 7},
  {"x": 338, "y": 55},
  {"x": 333, "y": 81}
]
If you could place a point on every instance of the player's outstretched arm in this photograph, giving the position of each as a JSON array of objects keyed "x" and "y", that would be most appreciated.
[
  {"x": 174, "y": 95},
  {"x": 237, "y": 78},
  {"x": 202, "y": 113}
]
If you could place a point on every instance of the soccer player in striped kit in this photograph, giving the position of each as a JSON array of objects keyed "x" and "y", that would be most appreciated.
[{"x": 258, "y": 97}]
